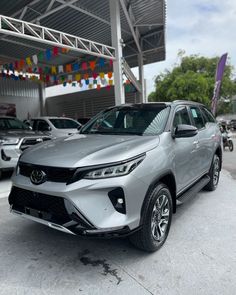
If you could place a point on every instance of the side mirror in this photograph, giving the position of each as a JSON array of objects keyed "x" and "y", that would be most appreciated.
[{"x": 183, "y": 130}]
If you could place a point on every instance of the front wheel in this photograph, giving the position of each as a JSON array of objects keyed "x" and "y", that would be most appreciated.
[
  {"x": 214, "y": 174},
  {"x": 157, "y": 215},
  {"x": 231, "y": 145}
]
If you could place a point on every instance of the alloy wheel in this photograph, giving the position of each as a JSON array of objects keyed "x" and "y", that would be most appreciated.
[
  {"x": 160, "y": 217},
  {"x": 216, "y": 171}
]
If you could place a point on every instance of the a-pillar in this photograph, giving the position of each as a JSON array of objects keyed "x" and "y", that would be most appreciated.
[{"x": 118, "y": 45}]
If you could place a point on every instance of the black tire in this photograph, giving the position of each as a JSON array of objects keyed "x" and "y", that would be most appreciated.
[
  {"x": 214, "y": 174},
  {"x": 231, "y": 146},
  {"x": 144, "y": 238}
]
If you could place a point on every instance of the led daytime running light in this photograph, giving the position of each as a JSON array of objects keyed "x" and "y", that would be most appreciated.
[{"x": 114, "y": 171}]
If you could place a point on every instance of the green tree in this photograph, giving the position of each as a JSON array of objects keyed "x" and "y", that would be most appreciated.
[{"x": 193, "y": 78}]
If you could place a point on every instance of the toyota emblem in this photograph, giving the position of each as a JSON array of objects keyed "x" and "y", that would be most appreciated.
[{"x": 37, "y": 177}]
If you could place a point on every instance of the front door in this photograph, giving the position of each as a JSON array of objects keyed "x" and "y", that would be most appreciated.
[{"x": 185, "y": 152}]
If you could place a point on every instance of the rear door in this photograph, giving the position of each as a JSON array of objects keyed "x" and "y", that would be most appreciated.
[{"x": 205, "y": 132}]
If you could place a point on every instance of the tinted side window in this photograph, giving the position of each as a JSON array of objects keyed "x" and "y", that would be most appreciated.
[
  {"x": 197, "y": 117},
  {"x": 207, "y": 115},
  {"x": 34, "y": 124},
  {"x": 42, "y": 125},
  {"x": 181, "y": 117}
]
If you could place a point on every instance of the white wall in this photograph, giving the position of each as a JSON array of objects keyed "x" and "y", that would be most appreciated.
[{"x": 24, "y": 94}]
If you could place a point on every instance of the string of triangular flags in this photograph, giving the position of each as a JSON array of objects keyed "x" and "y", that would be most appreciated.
[{"x": 29, "y": 69}]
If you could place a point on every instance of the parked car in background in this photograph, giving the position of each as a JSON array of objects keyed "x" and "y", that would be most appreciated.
[
  {"x": 55, "y": 126},
  {"x": 83, "y": 121},
  {"x": 123, "y": 174},
  {"x": 15, "y": 137},
  {"x": 232, "y": 124}
]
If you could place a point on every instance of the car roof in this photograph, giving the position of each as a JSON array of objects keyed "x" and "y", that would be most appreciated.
[
  {"x": 8, "y": 117},
  {"x": 50, "y": 117},
  {"x": 164, "y": 103}
]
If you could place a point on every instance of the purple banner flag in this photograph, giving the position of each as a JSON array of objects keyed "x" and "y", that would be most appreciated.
[{"x": 218, "y": 79}]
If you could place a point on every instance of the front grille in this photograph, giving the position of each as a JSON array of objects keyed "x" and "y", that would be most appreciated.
[
  {"x": 49, "y": 207},
  {"x": 27, "y": 142},
  {"x": 54, "y": 174}
]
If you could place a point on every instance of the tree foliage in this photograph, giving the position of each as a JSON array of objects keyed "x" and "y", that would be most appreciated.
[{"x": 192, "y": 79}]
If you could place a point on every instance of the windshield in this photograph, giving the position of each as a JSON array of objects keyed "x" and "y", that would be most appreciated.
[
  {"x": 64, "y": 123},
  {"x": 136, "y": 120},
  {"x": 11, "y": 123}
]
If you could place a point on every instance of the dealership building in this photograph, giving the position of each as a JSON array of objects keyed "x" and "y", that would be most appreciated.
[{"x": 83, "y": 45}]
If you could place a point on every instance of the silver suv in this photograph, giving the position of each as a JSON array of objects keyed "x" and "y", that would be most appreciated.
[
  {"x": 15, "y": 137},
  {"x": 123, "y": 174}
]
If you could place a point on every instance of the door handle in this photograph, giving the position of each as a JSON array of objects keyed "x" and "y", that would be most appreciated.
[{"x": 196, "y": 142}]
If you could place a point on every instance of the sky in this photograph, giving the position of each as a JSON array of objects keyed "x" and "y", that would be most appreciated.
[
  {"x": 201, "y": 27},
  {"x": 206, "y": 28}
]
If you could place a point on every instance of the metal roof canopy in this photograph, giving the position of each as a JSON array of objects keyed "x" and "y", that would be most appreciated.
[{"x": 139, "y": 30}]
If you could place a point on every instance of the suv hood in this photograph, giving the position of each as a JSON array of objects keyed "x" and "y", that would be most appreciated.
[
  {"x": 84, "y": 150},
  {"x": 20, "y": 133},
  {"x": 64, "y": 132}
]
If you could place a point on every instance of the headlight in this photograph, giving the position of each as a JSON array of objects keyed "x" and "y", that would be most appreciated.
[
  {"x": 9, "y": 140},
  {"x": 108, "y": 171}
]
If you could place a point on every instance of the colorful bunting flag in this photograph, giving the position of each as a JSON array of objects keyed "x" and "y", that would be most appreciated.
[
  {"x": 35, "y": 59},
  {"x": 68, "y": 68},
  {"x": 48, "y": 54},
  {"x": 53, "y": 70},
  {"x": 75, "y": 67},
  {"x": 55, "y": 51},
  {"x": 84, "y": 65},
  {"x": 101, "y": 62},
  {"x": 28, "y": 61},
  {"x": 92, "y": 64}
]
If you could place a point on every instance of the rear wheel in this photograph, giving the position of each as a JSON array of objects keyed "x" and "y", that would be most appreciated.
[
  {"x": 157, "y": 215},
  {"x": 214, "y": 174},
  {"x": 231, "y": 145}
]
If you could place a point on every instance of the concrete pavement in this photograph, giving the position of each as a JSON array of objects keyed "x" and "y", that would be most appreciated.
[{"x": 198, "y": 258}]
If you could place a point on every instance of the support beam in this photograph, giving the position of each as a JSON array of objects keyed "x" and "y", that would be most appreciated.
[
  {"x": 50, "y": 5},
  {"x": 141, "y": 77},
  {"x": 25, "y": 30},
  {"x": 42, "y": 98},
  {"x": 49, "y": 12},
  {"x": 130, "y": 75},
  {"x": 89, "y": 13},
  {"x": 117, "y": 43},
  {"x": 149, "y": 25},
  {"x": 131, "y": 26}
]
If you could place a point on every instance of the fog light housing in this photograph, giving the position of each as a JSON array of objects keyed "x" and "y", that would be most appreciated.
[
  {"x": 117, "y": 198},
  {"x": 4, "y": 156}
]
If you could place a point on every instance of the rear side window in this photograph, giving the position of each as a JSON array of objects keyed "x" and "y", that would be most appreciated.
[
  {"x": 181, "y": 117},
  {"x": 64, "y": 123},
  {"x": 207, "y": 115},
  {"x": 43, "y": 125},
  {"x": 197, "y": 117}
]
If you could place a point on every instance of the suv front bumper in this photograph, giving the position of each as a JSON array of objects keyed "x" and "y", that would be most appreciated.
[{"x": 83, "y": 208}]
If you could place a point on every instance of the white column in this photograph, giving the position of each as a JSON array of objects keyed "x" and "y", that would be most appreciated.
[
  {"x": 141, "y": 77},
  {"x": 42, "y": 98},
  {"x": 117, "y": 43}
]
